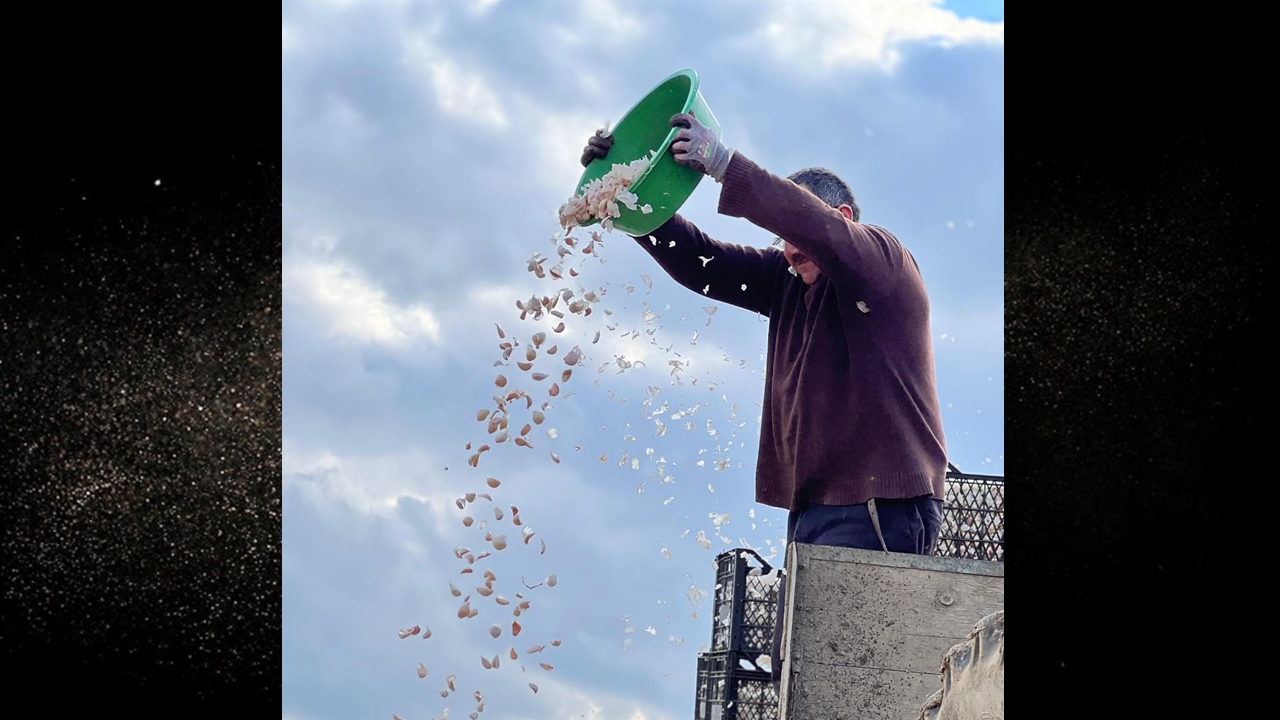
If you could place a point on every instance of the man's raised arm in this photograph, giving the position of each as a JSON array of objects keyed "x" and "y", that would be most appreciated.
[{"x": 733, "y": 274}]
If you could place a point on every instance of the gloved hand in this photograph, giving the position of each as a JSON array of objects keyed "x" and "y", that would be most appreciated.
[
  {"x": 697, "y": 147},
  {"x": 597, "y": 147}
]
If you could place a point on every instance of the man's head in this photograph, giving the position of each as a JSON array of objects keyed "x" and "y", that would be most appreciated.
[{"x": 834, "y": 192}]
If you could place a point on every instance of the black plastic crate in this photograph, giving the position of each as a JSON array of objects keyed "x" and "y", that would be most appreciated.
[
  {"x": 746, "y": 603},
  {"x": 972, "y": 517},
  {"x": 729, "y": 690}
]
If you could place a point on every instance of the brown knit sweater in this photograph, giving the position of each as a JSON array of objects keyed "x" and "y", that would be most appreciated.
[{"x": 850, "y": 401}]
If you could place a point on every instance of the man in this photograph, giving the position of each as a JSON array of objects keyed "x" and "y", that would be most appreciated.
[{"x": 851, "y": 439}]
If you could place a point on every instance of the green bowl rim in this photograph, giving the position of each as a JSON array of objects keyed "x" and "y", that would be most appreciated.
[{"x": 662, "y": 149}]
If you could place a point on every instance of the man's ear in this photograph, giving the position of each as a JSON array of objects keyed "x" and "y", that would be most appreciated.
[{"x": 846, "y": 211}]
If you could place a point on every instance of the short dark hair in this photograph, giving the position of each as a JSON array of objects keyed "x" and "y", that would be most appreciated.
[{"x": 828, "y": 186}]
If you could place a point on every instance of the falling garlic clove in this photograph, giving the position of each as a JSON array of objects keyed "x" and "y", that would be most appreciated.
[
  {"x": 534, "y": 687},
  {"x": 513, "y": 655},
  {"x": 544, "y": 548},
  {"x": 422, "y": 670},
  {"x": 555, "y": 643},
  {"x": 411, "y": 631},
  {"x": 525, "y": 366},
  {"x": 501, "y": 600},
  {"x": 467, "y": 521},
  {"x": 485, "y": 662},
  {"x": 492, "y": 482},
  {"x": 495, "y": 631},
  {"x": 546, "y": 666},
  {"x": 501, "y": 381},
  {"x": 554, "y": 391},
  {"x": 449, "y": 681},
  {"x": 515, "y": 629},
  {"x": 538, "y": 339},
  {"x": 497, "y": 513},
  {"x": 538, "y": 376},
  {"x": 530, "y": 354},
  {"x": 482, "y": 414},
  {"x": 551, "y": 581},
  {"x": 538, "y": 417},
  {"x": 454, "y": 590}
]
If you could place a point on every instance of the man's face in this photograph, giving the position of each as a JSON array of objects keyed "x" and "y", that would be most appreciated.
[{"x": 804, "y": 267}]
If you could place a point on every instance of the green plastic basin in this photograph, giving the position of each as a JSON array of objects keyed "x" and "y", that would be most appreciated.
[{"x": 665, "y": 184}]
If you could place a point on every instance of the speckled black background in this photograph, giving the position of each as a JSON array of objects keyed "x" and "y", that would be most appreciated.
[
  {"x": 1138, "y": 378},
  {"x": 140, "y": 369},
  {"x": 140, "y": 376}
]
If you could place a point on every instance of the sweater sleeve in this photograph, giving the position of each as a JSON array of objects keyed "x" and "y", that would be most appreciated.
[
  {"x": 865, "y": 257},
  {"x": 734, "y": 274}
]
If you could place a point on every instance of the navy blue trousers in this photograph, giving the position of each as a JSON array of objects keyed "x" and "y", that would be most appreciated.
[{"x": 909, "y": 526}]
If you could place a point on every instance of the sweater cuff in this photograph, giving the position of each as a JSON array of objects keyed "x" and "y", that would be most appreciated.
[{"x": 733, "y": 192}]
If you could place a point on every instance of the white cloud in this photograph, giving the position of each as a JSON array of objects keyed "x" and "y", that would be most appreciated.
[
  {"x": 352, "y": 305},
  {"x": 457, "y": 91},
  {"x": 370, "y": 484},
  {"x": 569, "y": 701},
  {"x": 289, "y": 41},
  {"x": 558, "y": 144},
  {"x": 833, "y": 33},
  {"x": 604, "y": 16},
  {"x": 496, "y": 297},
  {"x": 481, "y": 7}
]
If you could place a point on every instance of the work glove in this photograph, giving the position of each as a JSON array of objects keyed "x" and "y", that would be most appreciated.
[
  {"x": 697, "y": 147},
  {"x": 597, "y": 147}
]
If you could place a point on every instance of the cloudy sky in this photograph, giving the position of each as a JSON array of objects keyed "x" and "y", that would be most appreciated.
[{"x": 427, "y": 148}]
